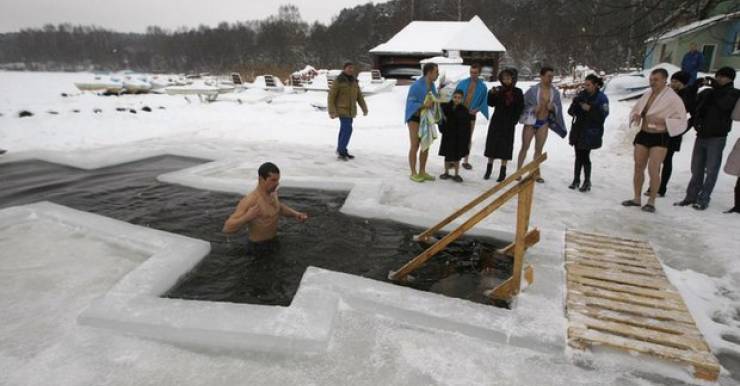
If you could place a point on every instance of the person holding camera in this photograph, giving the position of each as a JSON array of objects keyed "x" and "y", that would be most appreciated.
[
  {"x": 508, "y": 103},
  {"x": 713, "y": 122},
  {"x": 589, "y": 111}
]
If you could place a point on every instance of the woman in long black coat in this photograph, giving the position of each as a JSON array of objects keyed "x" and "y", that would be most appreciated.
[
  {"x": 589, "y": 110},
  {"x": 508, "y": 103}
]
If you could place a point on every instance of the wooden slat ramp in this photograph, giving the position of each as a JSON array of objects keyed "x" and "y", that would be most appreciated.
[{"x": 619, "y": 296}]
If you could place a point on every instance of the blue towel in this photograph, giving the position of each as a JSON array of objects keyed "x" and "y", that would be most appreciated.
[
  {"x": 480, "y": 99},
  {"x": 417, "y": 94}
]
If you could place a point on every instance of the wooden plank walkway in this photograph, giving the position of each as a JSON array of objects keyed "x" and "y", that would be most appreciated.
[{"x": 619, "y": 296}]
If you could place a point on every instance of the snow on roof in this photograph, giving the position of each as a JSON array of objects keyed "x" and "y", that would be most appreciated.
[
  {"x": 442, "y": 60},
  {"x": 697, "y": 25},
  {"x": 435, "y": 37}
]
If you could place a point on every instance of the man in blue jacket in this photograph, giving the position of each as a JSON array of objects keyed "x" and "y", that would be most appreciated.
[
  {"x": 692, "y": 62},
  {"x": 475, "y": 93}
]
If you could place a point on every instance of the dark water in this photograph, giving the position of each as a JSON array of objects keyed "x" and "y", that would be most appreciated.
[{"x": 331, "y": 240}]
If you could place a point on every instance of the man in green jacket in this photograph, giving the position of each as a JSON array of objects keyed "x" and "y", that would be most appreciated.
[{"x": 344, "y": 96}]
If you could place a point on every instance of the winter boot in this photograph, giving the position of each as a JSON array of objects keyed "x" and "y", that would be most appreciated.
[
  {"x": 501, "y": 174},
  {"x": 489, "y": 169}
]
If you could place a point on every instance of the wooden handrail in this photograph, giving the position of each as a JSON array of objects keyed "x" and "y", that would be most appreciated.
[
  {"x": 422, "y": 258},
  {"x": 532, "y": 166}
]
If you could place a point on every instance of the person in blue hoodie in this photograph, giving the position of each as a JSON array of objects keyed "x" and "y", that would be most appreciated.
[
  {"x": 474, "y": 98},
  {"x": 589, "y": 110},
  {"x": 692, "y": 62}
]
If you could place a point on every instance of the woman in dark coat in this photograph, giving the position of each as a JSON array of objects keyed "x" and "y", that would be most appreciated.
[
  {"x": 455, "y": 128},
  {"x": 508, "y": 103},
  {"x": 589, "y": 110}
]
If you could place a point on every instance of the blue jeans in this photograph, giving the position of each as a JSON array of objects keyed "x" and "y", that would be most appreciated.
[
  {"x": 345, "y": 132},
  {"x": 705, "y": 163}
]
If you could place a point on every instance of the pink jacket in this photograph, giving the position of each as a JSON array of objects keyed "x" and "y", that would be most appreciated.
[{"x": 666, "y": 113}]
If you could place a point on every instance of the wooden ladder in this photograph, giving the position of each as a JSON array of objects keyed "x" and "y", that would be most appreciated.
[{"x": 523, "y": 188}]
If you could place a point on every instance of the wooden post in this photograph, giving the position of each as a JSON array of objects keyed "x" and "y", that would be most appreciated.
[
  {"x": 422, "y": 258},
  {"x": 524, "y": 209},
  {"x": 530, "y": 167},
  {"x": 532, "y": 238}
]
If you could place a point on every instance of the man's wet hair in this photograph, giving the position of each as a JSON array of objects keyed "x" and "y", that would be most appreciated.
[
  {"x": 266, "y": 169},
  {"x": 661, "y": 71},
  {"x": 428, "y": 67},
  {"x": 545, "y": 70}
]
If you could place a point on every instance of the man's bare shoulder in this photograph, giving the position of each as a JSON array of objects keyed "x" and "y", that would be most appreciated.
[{"x": 248, "y": 200}]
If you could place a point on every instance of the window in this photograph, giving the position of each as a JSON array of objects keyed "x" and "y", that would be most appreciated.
[{"x": 736, "y": 47}]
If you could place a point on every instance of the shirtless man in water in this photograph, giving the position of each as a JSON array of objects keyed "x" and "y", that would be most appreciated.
[{"x": 260, "y": 210}]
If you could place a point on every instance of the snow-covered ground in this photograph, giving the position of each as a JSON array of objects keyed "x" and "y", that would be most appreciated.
[{"x": 50, "y": 273}]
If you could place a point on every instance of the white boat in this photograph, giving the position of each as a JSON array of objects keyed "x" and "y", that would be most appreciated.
[
  {"x": 136, "y": 84},
  {"x": 371, "y": 82},
  {"x": 268, "y": 83},
  {"x": 160, "y": 82},
  {"x": 100, "y": 83},
  {"x": 206, "y": 91}
]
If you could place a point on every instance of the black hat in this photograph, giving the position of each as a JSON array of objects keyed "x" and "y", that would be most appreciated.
[
  {"x": 728, "y": 72},
  {"x": 681, "y": 76}
]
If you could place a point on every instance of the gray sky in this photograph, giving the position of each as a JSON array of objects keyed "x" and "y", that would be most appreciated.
[{"x": 136, "y": 15}]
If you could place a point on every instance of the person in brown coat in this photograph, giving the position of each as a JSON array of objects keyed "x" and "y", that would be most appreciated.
[{"x": 344, "y": 96}]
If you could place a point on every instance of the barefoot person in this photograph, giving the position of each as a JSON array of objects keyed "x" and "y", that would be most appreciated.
[
  {"x": 260, "y": 210},
  {"x": 543, "y": 111},
  {"x": 419, "y": 102},
  {"x": 474, "y": 98},
  {"x": 507, "y": 101},
  {"x": 344, "y": 96},
  {"x": 679, "y": 84},
  {"x": 658, "y": 113}
]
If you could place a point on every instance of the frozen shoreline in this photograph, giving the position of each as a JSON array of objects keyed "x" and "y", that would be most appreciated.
[{"x": 700, "y": 250}]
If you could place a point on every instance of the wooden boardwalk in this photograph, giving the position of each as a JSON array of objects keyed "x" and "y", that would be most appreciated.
[{"x": 619, "y": 296}]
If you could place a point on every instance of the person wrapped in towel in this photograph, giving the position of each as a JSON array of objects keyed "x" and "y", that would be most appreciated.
[{"x": 421, "y": 116}]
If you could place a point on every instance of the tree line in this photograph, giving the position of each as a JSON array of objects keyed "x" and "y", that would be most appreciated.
[{"x": 605, "y": 34}]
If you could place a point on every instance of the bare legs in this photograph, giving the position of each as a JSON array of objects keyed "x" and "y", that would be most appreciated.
[
  {"x": 414, "y": 150},
  {"x": 540, "y": 137},
  {"x": 650, "y": 159},
  {"x": 527, "y": 135},
  {"x": 452, "y": 165}
]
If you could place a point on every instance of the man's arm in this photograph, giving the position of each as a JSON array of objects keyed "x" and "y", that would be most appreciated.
[
  {"x": 332, "y": 99},
  {"x": 287, "y": 211},
  {"x": 361, "y": 100},
  {"x": 246, "y": 211}
]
